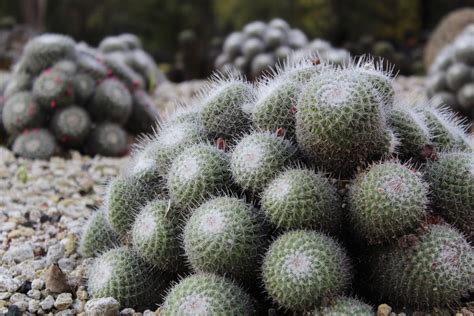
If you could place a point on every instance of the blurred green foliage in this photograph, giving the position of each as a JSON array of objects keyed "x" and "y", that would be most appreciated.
[{"x": 158, "y": 22}]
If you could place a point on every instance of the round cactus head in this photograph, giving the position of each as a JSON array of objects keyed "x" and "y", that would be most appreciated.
[
  {"x": 111, "y": 102},
  {"x": 301, "y": 198},
  {"x": 53, "y": 89},
  {"x": 215, "y": 225},
  {"x": 206, "y": 294},
  {"x": 108, "y": 139},
  {"x": 303, "y": 267},
  {"x": 35, "y": 144},
  {"x": 199, "y": 172},
  {"x": 121, "y": 274},
  {"x": 97, "y": 236},
  {"x": 387, "y": 192},
  {"x": 21, "y": 112},
  {"x": 71, "y": 126},
  {"x": 257, "y": 158}
]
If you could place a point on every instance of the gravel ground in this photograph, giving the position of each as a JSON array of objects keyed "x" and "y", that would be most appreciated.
[{"x": 43, "y": 207}]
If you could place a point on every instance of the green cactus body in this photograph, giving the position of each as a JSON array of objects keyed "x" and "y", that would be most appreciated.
[
  {"x": 222, "y": 107},
  {"x": 451, "y": 180},
  {"x": 339, "y": 121},
  {"x": 113, "y": 44},
  {"x": 36, "y": 144},
  {"x": 84, "y": 87},
  {"x": 71, "y": 126},
  {"x": 127, "y": 194},
  {"x": 144, "y": 115},
  {"x": 199, "y": 172},
  {"x": 257, "y": 158},
  {"x": 107, "y": 139},
  {"x": 43, "y": 51},
  {"x": 53, "y": 89},
  {"x": 21, "y": 112},
  {"x": 434, "y": 268},
  {"x": 206, "y": 294},
  {"x": 446, "y": 131},
  {"x": 67, "y": 67},
  {"x": 224, "y": 236},
  {"x": 91, "y": 65},
  {"x": 412, "y": 131},
  {"x": 155, "y": 235},
  {"x": 171, "y": 140},
  {"x": 18, "y": 82},
  {"x": 343, "y": 305},
  {"x": 276, "y": 106},
  {"x": 121, "y": 274},
  {"x": 97, "y": 236},
  {"x": 373, "y": 71},
  {"x": 125, "y": 73},
  {"x": 300, "y": 198},
  {"x": 386, "y": 202},
  {"x": 303, "y": 267},
  {"x": 111, "y": 102}
]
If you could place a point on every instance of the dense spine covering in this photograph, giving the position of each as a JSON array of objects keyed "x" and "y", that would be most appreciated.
[
  {"x": 97, "y": 236},
  {"x": 343, "y": 305},
  {"x": 224, "y": 236},
  {"x": 199, "y": 172},
  {"x": 387, "y": 192},
  {"x": 111, "y": 102},
  {"x": 206, "y": 294},
  {"x": 257, "y": 158},
  {"x": 71, "y": 126},
  {"x": 21, "y": 112},
  {"x": 433, "y": 268},
  {"x": 35, "y": 144},
  {"x": 53, "y": 89},
  {"x": 107, "y": 139},
  {"x": 303, "y": 267},
  {"x": 301, "y": 198},
  {"x": 451, "y": 180}
]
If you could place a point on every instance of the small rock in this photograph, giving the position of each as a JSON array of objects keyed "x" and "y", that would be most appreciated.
[
  {"x": 127, "y": 312},
  {"x": 466, "y": 312},
  {"x": 19, "y": 253},
  {"x": 149, "y": 313},
  {"x": 102, "y": 307},
  {"x": 5, "y": 295},
  {"x": 383, "y": 310},
  {"x": 21, "y": 232},
  {"x": 78, "y": 306},
  {"x": 63, "y": 301},
  {"x": 13, "y": 310},
  {"x": 37, "y": 284},
  {"x": 55, "y": 253},
  {"x": 66, "y": 264},
  {"x": 55, "y": 280},
  {"x": 47, "y": 303},
  {"x": 33, "y": 293},
  {"x": 8, "y": 284},
  {"x": 17, "y": 297},
  {"x": 25, "y": 287},
  {"x": 66, "y": 312},
  {"x": 22, "y": 305},
  {"x": 82, "y": 295},
  {"x": 33, "y": 306}
]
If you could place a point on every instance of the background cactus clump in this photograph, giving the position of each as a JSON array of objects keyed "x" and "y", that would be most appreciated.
[
  {"x": 86, "y": 102},
  {"x": 450, "y": 78},
  {"x": 260, "y": 46},
  {"x": 259, "y": 220}
]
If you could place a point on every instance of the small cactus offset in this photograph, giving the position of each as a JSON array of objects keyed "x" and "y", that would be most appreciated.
[
  {"x": 88, "y": 100},
  {"x": 298, "y": 194}
]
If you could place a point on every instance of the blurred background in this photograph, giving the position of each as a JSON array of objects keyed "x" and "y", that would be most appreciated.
[{"x": 185, "y": 36}]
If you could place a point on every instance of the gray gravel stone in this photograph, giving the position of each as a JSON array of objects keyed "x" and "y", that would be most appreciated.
[
  {"x": 107, "y": 306},
  {"x": 19, "y": 253},
  {"x": 63, "y": 301},
  {"x": 55, "y": 253},
  {"x": 47, "y": 303},
  {"x": 8, "y": 284},
  {"x": 33, "y": 306}
]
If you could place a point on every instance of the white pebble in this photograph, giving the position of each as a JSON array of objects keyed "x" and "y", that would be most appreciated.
[
  {"x": 63, "y": 301},
  {"x": 47, "y": 303},
  {"x": 107, "y": 306}
]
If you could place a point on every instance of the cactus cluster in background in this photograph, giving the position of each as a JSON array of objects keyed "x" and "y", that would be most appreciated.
[
  {"x": 293, "y": 193},
  {"x": 260, "y": 46},
  {"x": 63, "y": 95},
  {"x": 451, "y": 76}
]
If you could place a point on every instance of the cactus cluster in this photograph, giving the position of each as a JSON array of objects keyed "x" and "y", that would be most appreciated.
[
  {"x": 451, "y": 76},
  {"x": 260, "y": 46},
  {"x": 295, "y": 216},
  {"x": 64, "y": 95}
]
